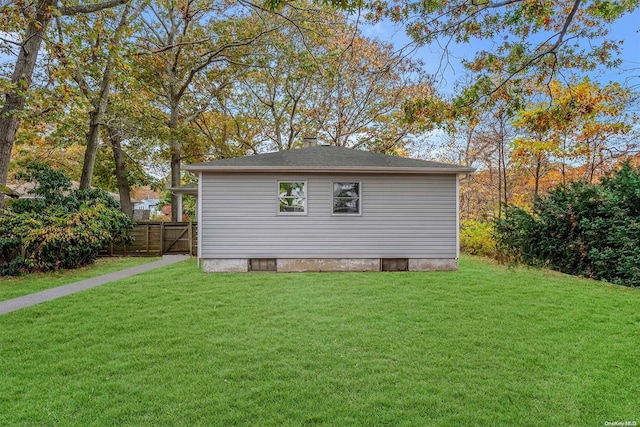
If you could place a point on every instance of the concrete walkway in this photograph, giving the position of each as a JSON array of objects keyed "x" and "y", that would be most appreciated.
[{"x": 47, "y": 295}]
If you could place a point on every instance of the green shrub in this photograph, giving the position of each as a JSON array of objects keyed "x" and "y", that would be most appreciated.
[
  {"x": 59, "y": 227},
  {"x": 590, "y": 230},
  {"x": 476, "y": 238}
]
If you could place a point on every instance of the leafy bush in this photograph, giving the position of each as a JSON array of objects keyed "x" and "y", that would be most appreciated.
[
  {"x": 591, "y": 230},
  {"x": 58, "y": 227},
  {"x": 476, "y": 238}
]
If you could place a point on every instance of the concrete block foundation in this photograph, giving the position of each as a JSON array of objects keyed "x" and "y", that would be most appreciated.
[
  {"x": 433, "y": 264},
  {"x": 290, "y": 265},
  {"x": 221, "y": 265}
]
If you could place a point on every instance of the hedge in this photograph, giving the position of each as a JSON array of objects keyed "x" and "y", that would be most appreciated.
[{"x": 590, "y": 230}]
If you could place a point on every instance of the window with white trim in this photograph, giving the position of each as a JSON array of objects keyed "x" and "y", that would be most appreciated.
[
  {"x": 292, "y": 197},
  {"x": 346, "y": 198}
]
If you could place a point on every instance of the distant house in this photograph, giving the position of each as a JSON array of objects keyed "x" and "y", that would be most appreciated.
[
  {"x": 327, "y": 208},
  {"x": 147, "y": 207}
]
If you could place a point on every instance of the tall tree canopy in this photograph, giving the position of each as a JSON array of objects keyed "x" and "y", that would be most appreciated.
[
  {"x": 518, "y": 42},
  {"x": 32, "y": 20},
  {"x": 311, "y": 78}
]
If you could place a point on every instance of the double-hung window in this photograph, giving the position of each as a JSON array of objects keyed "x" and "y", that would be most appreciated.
[
  {"x": 346, "y": 198},
  {"x": 292, "y": 197}
]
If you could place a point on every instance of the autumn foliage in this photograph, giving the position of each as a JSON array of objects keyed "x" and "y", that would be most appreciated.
[{"x": 477, "y": 238}]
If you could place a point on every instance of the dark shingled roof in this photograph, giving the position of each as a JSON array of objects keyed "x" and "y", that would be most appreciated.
[{"x": 326, "y": 159}]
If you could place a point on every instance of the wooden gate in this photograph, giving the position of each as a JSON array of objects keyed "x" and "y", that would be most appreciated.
[
  {"x": 176, "y": 237},
  {"x": 155, "y": 238}
]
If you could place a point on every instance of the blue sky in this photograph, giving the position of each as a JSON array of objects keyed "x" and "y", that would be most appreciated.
[{"x": 626, "y": 28}]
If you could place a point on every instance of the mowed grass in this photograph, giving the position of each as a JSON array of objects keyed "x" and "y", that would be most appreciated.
[
  {"x": 13, "y": 287},
  {"x": 483, "y": 346}
]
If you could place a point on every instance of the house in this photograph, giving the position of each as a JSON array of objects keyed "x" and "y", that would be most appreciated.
[
  {"x": 327, "y": 208},
  {"x": 148, "y": 203},
  {"x": 151, "y": 207}
]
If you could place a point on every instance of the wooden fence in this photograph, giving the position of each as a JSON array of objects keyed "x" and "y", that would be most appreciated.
[{"x": 155, "y": 238}]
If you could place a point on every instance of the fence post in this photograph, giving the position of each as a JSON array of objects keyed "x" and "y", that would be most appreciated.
[
  {"x": 146, "y": 248},
  {"x": 161, "y": 238}
]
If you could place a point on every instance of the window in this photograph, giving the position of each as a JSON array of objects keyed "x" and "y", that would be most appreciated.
[
  {"x": 292, "y": 197},
  {"x": 346, "y": 198}
]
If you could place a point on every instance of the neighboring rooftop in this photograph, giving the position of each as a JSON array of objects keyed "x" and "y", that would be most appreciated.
[
  {"x": 21, "y": 189},
  {"x": 326, "y": 159}
]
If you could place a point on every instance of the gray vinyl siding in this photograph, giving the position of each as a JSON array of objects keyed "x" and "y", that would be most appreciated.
[{"x": 404, "y": 216}]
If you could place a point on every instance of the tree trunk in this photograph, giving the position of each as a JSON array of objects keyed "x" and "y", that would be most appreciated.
[
  {"x": 564, "y": 160},
  {"x": 505, "y": 182},
  {"x": 503, "y": 158},
  {"x": 537, "y": 179},
  {"x": 21, "y": 80},
  {"x": 503, "y": 200},
  {"x": 500, "y": 154},
  {"x": 176, "y": 153},
  {"x": 175, "y": 180},
  {"x": 91, "y": 151},
  {"x": 100, "y": 105},
  {"x": 115, "y": 138}
]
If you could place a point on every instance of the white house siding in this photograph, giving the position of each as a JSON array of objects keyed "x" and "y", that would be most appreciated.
[{"x": 403, "y": 216}]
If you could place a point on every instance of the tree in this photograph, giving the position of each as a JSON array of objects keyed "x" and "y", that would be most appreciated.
[
  {"x": 318, "y": 76},
  {"x": 530, "y": 41},
  {"x": 38, "y": 16},
  {"x": 536, "y": 150},
  {"x": 364, "y": 87},
  {"x": 476, "y": 135},
  {"x": 579, "y": 128},
  {"x": 276, "y": 90},
  {"x": 90, "y": 49},
  {"x": 184, "y": 48},
  {"x": 228, "y": 132}
]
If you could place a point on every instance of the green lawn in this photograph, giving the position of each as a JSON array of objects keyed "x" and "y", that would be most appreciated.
[
  {"x": 13, "y": 287},
  {"x": 483, "y": 346}
]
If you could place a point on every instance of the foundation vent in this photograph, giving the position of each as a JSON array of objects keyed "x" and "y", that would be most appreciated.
[
  {"x": 394, "y": 264},
  {"x": 262, "y": 264}
]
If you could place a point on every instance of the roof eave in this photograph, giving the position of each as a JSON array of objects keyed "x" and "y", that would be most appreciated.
[
  {"x": 298, "y": 169},
  {"x": 191, "y": 191}
]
